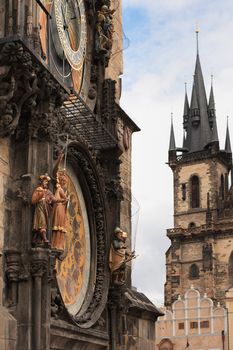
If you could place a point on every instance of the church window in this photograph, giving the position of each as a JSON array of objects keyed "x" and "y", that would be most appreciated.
[
  {"x": 195, "y": 192},
  {"x": 192, "y": 225},
  {"x": 205, "y": 324},
  {"x": 222, "y": 187},
  {"x": 183, "y": 188},
  {"x": 181, "y": 325},
  {"x": 230, "y": 269},
  {"x": 193, "y": 325},
  {"x": 193, "y": 271}
]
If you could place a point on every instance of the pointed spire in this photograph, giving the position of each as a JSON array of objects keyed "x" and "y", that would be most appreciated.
[
  {"x": 186, "y": 109},
  {"x": 211, "y": 99},
  {"x": 228, "y": 141},
  {"x": 211, "y": 106},
  {"x": 197, "y": 32},
  {"x": 172, "y": 143},
  {"x": 199, "y": 132}
]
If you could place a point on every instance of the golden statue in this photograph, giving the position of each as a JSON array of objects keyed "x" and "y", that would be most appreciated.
[
  {"x": 43, "y": 200},
  {"x": 60, "y": 208},
  {"x": 119, "y": 256}
]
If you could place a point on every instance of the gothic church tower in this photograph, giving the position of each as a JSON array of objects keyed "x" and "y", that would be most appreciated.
[{"x": 201, "y": 251}]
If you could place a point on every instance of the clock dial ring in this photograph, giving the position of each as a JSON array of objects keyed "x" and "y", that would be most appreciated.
[
  {"x": 71, "y": 27},
  {"x": 70, "y": 67}
]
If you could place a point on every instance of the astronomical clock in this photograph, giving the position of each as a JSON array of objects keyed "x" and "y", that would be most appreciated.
[
  {"x": 62, "y": 285},
  {"x": 63, "y": 36}
]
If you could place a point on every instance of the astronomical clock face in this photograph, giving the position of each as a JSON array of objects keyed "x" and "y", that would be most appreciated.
[
  {"x": 73, "y": 271},
  {"x": 63, "y": 39}
]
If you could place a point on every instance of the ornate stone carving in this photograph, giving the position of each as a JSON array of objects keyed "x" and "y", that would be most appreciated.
[
  {"x": 104, "y": 29},
  {"x": 56, "y": 303},
  {"x": 39, "y": 261},
  {"x": 207, "y": 252},
  {"x": 28, "y": 91},
  {"x": 13, "y": 264},
  {"x": 114, "y": 189}
]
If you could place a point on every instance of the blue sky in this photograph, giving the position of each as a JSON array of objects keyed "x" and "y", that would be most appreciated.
[{"x": 157, "y": 63}]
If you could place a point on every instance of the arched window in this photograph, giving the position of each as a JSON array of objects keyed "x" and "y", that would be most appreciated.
[
  {"x": 192, "y": 225},
  {"x": 166, "y": 344},
  {"x": 230, "y": 269},
  {"x": 193, "y": 271},
  {"x": 195, "y": 192},
  {"x": 222, "y": 187}
]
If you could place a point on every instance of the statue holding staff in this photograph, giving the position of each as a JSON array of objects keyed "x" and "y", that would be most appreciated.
[{"x": 119, "y": 256}]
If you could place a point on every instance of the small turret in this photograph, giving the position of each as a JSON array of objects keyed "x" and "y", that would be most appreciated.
[
  {"x": 186, "y": 110},
  {"x": 211, "y": 106},
  {"x": 228, "y": 141},
  {"x": 172, "y": 145}
]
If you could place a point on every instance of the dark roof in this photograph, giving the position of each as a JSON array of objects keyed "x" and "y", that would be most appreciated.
[
  {"x": 186, "y": 105},
  {"x": 139, "y": 302},
  {"x": 172, "y": 143},
  {"x": 228, "y": 141},
  {"x": 199, "y": 134},
  {"x": 211, "y": 99},
  {"x": 132, "y": 125},
  {"x": 214, "y": 136}
]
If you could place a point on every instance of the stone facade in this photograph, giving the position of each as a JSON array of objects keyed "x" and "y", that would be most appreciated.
[
  {"x": 229, "y": 306},
  {"x": 192, "y": 323},
  {"x": 200, "y": 236},
  {"x": 201, "y": 240},
  {"x": 115, "y": 67}
]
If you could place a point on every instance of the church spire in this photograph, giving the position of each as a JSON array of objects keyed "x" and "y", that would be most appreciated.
[
  {"x": 228, "y": 141},
  {"x": 199, "y": 131},
  {"x": 172, "y": 143},
  {"x": 186, "y": 110},
  {"x": 211, "y": 106}
]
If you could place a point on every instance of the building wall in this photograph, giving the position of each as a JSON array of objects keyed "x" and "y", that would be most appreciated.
[
  {"x": 193, "y": 321},
  {"x": 115, "y": 66},
  {"x": 8, "y": 325},
  {"x": 229, "y": 306},
  {"x": 209, "y": 172},
  {"x": 125, "y": 171},
  {"x": 4, "y": 173},
  {"x": 191, "y": 233},
  {"x": 213, "y": 280},
  {"x": 140, "y": 334}
]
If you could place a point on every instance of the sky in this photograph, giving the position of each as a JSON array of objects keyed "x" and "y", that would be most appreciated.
[{"x": 159, "y": 57}]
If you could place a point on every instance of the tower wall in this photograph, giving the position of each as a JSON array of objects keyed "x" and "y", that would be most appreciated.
[
  {"x": 209, "y": 172},
  {"x": 115, "y": 66}
]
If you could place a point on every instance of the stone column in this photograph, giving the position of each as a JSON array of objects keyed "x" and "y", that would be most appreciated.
[
  {"x": 8, "y": 326},
  {"x": 40, "y": 263}
]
